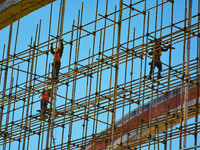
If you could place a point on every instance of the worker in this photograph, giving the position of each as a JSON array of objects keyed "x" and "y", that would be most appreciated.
[
  {"x": 57, "y": 59},
  {"x": 44, "y": 99},
  {"x": 157, "y": 53}
]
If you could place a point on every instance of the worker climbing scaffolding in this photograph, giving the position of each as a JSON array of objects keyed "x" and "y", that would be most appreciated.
[
  {"x": 157, "y": 53},
  {"x": 56, "y": 60},
  {"x": 44, "y": 99}
]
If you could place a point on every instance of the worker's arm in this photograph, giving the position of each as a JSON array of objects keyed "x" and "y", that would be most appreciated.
[
  {"x": 52, "y": 52},
  {"x": 151, "y": 52},
  {"x": 164, "y": 49},
  {"x": 167, "y": 47}
]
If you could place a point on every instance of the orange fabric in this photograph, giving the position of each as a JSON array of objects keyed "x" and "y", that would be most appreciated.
[
  {"x": 158, "y": 53},
  {"x": 57, "y": 57},
  {"x": 45, "y": 96}
]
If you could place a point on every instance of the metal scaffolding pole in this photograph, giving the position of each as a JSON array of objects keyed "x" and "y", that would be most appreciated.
[
  {"x": 6, "y": 74},
  {"x": 187, "y": 78},
  {"x": 28, "y": 100},
  {"x": 197, "y": 83},
  {"x": 116, "y": 75},
  {"x": 110, "y": 108}
]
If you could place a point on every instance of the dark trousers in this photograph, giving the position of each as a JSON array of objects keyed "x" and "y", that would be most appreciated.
[
  {"x": 43, "y": 104},
  {"x": 157, "y": 64},
  {"x": 55, "y": 70}
]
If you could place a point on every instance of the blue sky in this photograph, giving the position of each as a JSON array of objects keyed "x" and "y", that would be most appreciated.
[{"x": 28, "y": 28}]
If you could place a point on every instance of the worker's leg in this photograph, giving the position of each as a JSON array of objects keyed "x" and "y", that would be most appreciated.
[
  {"x": 151, "y": 69},
  {"x": 42, "y": 105},
  {"x": 57, "y": 68},
  {"x": 53, "y": 70},
  {"x": 45, "y": 105},
  {"x": 159, "y": 66}
]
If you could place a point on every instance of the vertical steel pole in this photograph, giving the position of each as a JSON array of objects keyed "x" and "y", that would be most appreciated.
[
  {"x": 26, "y": 85},
  {"x": 8, "y": 111},
  {"x": 197, "y": 82},
  {"x": 4, "y": 47},
  {"x": 143, "y": 97},
  {"x": 30, "y": 87},
  {"x": 53, "y": 115},
  {"x": 49, "y": 120},
  {"x": 62, "y": 18},
  {"x": 111, "y": 73},
  {"x": 92, "y": 61},
  {"x": 34, "y": 72},
  {"x": 13, "y": 114},
  {"x": 86, "y": 95},
  {"x": 54, "y": 100},
  {"x": 14, "y": 58},
  {"x": 168, "y": 83},
  {"x": 70, "y": 56},
  {"x": 96, "y": 95},
  {"x": 152, "y": 91},
  {"x": 6, "y": 74},
  {"x": 187, "y": 77},
  {"x": 74, "y": 81},
  {"x": 125, "y": 80},
  {"x": 50, "y": 20},
  {"x": 116, "y": 75},
  {"x": 183, "y": 78},
  {"x": 141, "y": 74},
  {"x": 96, "y": 114}
]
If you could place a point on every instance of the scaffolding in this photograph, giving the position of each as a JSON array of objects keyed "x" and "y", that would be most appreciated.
[{"x": 105, "y": 97}]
